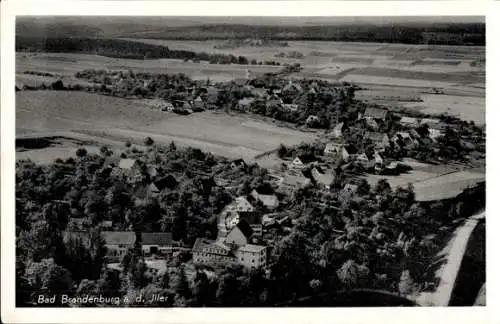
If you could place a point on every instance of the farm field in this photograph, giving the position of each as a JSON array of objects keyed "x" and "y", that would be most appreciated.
[
  {"x": 120, "y": 119},
  {"x": 433, "y": 182},
  {"x": 67, "y": 64},
  {"x": 391, "y": 70}
]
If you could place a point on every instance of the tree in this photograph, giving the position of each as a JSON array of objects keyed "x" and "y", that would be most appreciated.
[
  {"x": 352, "y": 275},
  {"x": 49, "y": 279},
  {"x": 172, "y": 147},
  {"x": 181, "y": 286},
  {"x": 81, "y": 152},
  {"x": 149, "y": 141},
  {"x": 282, "y": 151}
]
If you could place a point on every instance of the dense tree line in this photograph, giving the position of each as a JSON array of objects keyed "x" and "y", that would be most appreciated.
[
  {"x": 118, "y": 48},
  {"x": 438, "y": 33}
]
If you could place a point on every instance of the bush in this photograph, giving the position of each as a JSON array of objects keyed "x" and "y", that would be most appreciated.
[{"x": 128, "y": 144}]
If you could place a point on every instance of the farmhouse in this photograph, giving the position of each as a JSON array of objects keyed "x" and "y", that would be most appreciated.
[
  {"x": 409, "y": 121},
  {"x": 363, "y": 159},
  {"x": 244, "y": 104},
  {"x": 431, "y": 122},
  {"x": 118, "y": 243},
  {"x": 231, "y": 213},
  {"x": 381, "y": 140},
  {"x": 154, "y": 243},
  {"x": 128, "y": 164},
  {"x": 375, "y": 113},
  {"x": 198, "y": 103},
  {"x": 292, "y": 87},
  {"x": 270, "y": 201},
  {"x": 323, "y": 178},
  {"x": 290, "y": 183},
  {"x": 333, "y": 148},
  {"x": 297, "y": 164},
  {"x": 259, "y": 93}
]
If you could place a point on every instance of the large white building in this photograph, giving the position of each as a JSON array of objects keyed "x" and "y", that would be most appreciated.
[{"x": 233, "y": 248}]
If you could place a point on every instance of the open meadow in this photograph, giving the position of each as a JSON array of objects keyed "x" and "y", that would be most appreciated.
[{"x": 121, "y": 120}]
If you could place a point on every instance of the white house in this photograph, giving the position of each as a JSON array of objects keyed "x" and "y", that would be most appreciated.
[
  {"x": 296, "y": 164},
  {"x": 333, "y": 148},
  {"x": 251, "y": 256},
  {"x": 211, "y": 252},
  {"x": 270, "y": 201}
]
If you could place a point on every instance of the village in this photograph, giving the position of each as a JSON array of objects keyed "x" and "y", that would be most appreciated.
[{"x": 248, "y": 225}]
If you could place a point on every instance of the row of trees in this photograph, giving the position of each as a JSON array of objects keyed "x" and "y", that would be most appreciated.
[{"x": 118, "y": 48}]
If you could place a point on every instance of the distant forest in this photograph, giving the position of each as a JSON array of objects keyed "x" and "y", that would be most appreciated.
[
  {"x": 407, "y": 33},
  {"x": 117, "y": 48},
  {"x": 439, "y": 34}
]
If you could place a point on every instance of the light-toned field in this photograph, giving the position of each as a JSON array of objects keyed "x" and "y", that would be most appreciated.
[
  {"x": 433, "y": 182},
  {"x": 121, "y": 119},
  {"x": 390, "y": 68},
  {"x": 465, "y": 107},
  {"x": 67, "y": 64}
]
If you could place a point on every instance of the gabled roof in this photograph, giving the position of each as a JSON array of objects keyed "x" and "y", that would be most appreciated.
[
  {"x": 116, "y": 238},
  {"x": 252, "y": 248},
  {"x": 200, "y": 244},
  {"x": 245, "y": 228},
  {"x": 375, "y": 112},
  {"x": 127, "y": 163},
  {"x": 270, "y": 201},
  {"x": 376, "y": 137},
  {"x": 409, "y": 120},
  {"x": 245, "y": 101},
  {"x": 325, "y": 178},
  {"x": 158, "y": 238}
]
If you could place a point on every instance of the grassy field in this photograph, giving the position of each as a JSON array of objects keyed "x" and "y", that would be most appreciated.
[{"x": 121, "y": 120}]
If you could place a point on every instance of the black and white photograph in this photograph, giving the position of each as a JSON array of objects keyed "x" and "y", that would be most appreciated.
[{"x": 171, "y": 162}]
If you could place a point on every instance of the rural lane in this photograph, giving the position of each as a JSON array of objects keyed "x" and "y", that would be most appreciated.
[{"x": 453, "y": 252}]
